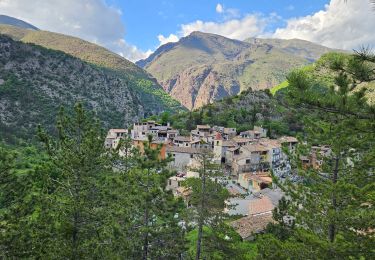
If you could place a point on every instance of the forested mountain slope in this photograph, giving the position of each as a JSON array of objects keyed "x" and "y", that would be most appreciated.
[
  {"x": 147, "y": 88},
  {"x": 35, "y": 82}
]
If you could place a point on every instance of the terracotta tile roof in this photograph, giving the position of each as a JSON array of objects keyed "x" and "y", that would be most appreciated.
[
  {"x": 255, "y": 148},
  {"x": 177, "y": 149},
  {"x": 240, "y": 139},
  {"x": 182, "y": 138},
  {"x": 218, "y": 137},
  {"x": 247, "y": 226},
  {"x": 260, "y": 206},
  {"x": 229, "y": 143},
  {"x": 247, "y": 132},
  {"x": 270, "y": 143}
]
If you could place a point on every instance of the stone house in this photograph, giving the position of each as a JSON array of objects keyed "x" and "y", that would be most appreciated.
[
  {"x": 254, "y": 181},
  {"x": 220, "y": 148},
  {"x": 182, "y": 156},
  {"x": 182, "y": 141},
  {"x": 113, "y": 137},
  {"x": 249, "y": 158}
]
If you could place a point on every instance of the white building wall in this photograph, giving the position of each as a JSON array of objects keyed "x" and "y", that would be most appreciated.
[
  {"x": 181, "y": 160},
  {"x": 218, "y": 150}
]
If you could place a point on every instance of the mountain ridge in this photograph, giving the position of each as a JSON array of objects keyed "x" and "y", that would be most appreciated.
[
  {"x": 203, "y": 67},
  {"x": 36, "y": 82},
  {"x": 140, "y": 80},
  {"x": 5, "y": 19}
]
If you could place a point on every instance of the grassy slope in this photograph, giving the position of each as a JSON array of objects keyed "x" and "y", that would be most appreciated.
[
  {"x": 282, "y": 85},
  {"x": 150, "y": 92},
  {"x": 320, "y": 72}
]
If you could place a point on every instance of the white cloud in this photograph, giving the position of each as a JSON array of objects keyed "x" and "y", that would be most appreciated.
[
  {"x": 240, "y": 29},
  {"x": 342, "y": 24},
  {"x": 91, "y": 20},
  {"x": 227, "y": 13},
  {"x": 219, "y": 8},
  {"x": 171, "y": 38},
  {"x": 249, "y": 26}
]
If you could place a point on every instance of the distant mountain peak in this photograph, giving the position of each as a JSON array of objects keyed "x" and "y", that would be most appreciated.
[
  {"x": 4, "y": 19},
  {"x": 203, "y": 67},
  {"x": 198, "y": 33}
]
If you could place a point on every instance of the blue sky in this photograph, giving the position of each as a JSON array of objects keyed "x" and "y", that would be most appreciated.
[
  {"x": 135, "y": 28},
  {"x": 145, "y": 19}
]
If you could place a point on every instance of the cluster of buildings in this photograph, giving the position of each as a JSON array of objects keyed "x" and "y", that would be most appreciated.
[
  {"x": 247, "y": 158},
  {"x": 247, "y": 152}
]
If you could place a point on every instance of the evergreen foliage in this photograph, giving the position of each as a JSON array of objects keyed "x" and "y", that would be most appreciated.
[{"x": 332, "y": 204}]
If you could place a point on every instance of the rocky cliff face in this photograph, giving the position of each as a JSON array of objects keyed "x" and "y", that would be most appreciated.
[
  {"x": 202, "y": 68},
  {"x": 35, "y": 82},
  {"x": 137, "y": 79},
  {"x": 197, "y": 86}
]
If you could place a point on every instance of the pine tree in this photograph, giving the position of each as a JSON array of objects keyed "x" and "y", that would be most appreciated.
[
  {"x": 207, "y": 213},
  {"x": 154, "y": 213},
  {"x": 78, "y": 155},
  {"x": 8, "y": 201},
  {"x": 24, "y": 203},
  {"x": 332, "y": 205}
]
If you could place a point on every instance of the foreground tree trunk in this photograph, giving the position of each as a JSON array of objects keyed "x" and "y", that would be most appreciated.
[
  {"x": 332, "y": 227},
  {"x": 201, "y": 218}
]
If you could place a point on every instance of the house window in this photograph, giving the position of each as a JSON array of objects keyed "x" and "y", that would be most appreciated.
[
  {"x": 170, "y": 182},
  {"x": 217, "y": 143},
  {"x": 191, "y": 155},
  {"x": 247, "y": 161}
]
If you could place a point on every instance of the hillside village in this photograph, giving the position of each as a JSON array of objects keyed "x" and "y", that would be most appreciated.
[
  {"x": 247, "y": 160},
  {"x": 238, "y": 131}
]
